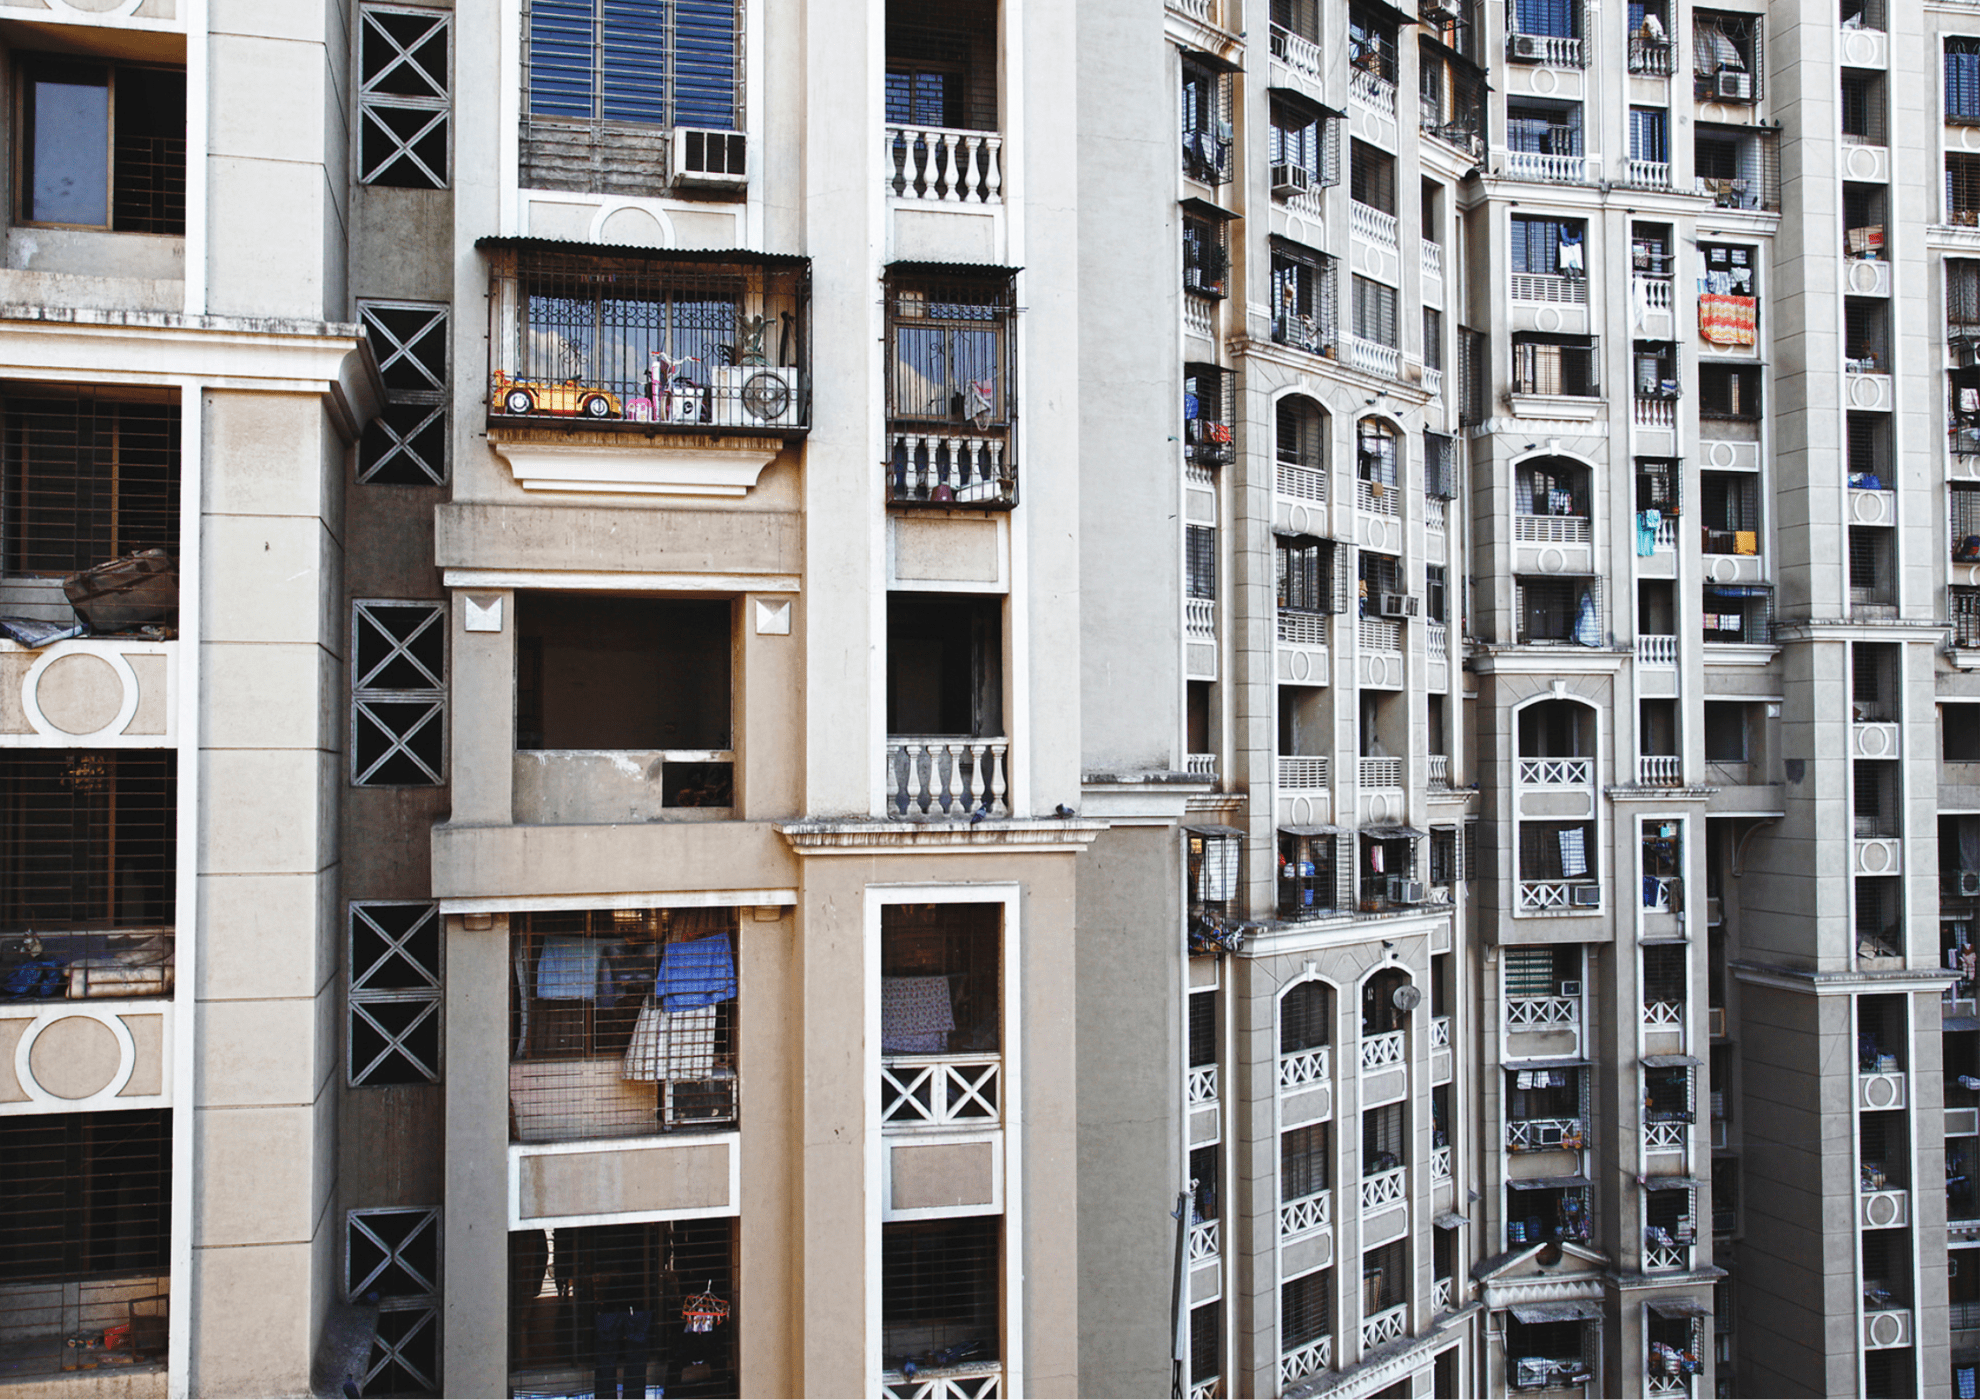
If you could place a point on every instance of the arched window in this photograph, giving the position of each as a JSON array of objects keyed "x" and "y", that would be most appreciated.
[{"x": 1305, "y": 1017}]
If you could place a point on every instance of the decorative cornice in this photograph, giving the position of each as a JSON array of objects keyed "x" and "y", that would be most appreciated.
[
  {"x": 848, "y": 838},
  {"x": 1630, "y": 792},
  {"x": 1800, "y": 979},
  {"x": 708, "y": 467}
]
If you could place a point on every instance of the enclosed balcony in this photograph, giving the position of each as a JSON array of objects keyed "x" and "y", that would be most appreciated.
[
  {"x": 947, "y": 757},
  {"x": 942, "y": 95},
  {"x": 951, "y": 387},
  {"x": 941, "y": 1066}
]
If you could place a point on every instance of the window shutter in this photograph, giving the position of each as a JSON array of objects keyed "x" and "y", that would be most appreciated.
[{"x": 705, "y": 63}]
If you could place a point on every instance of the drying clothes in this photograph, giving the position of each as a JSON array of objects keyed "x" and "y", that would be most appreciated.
[
  {"x": 1587, "y": 627},
  {"x": 567, "y": 969},
  {"x": 1647, "y": 522},
  {"x": 671, "y": 1045},
  {"x": 1570, "y": 253},
  {"x": 697, "y": 973},
  {"x": 915, "y": 1015},
  {"x": 1574, "y": 853},
  {"x": 1728, "y": 320}
]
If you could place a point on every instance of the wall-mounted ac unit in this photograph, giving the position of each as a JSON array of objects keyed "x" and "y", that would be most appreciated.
[
  {"x": 1406, "y": 891},
  {"x": 756, "y": 396},
  {"x": 1531, "y": 47},
  {"x": 1291, "y": 179},
  {"x": 1969, "y": 883},
  {"x": 1715, "y": 1021},
  {"x": 1396, "y": 605},
  {"x": 1571, "y": 988},
  {"x": 1966, "y": 352},
  {"x": 1436, "y": 11},
  {"x": 710, "y": 160},
  {"x": 1733, "y": 87},
  {"x": 1586, "y": 897}
]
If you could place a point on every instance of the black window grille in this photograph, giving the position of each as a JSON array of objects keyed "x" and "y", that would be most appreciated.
[
  {"x": 1202, "y": 1028},
  {"x": 1726, "y": 733},
  {"x": 394, "y": 1254},
  {"x": 1372, "y": 177},
  {"x": 1739, "y": 614},
  {"x": 1863, "y": 106},
  {"x": 398, "y": 693},
  {"x": 1304, "y": 314},
  {"x": 1543, "y": 127},
  {"x": 1310, "y": 577},
  {"x": 1306, "y": 1017},
  {"x": 1963, "y": 295},
  {"x": 1303, "y": 146},
  {"x": 1298, "y": 17},
  {"x": 405, "y": 75},
  {"x": 406, "y": 444},
  {"x": 1558, "y": 609},
  {"x": 1213, "y": 860},
  {"x": 1964, "y": 606},
  {"x": 88, "y": 479},
  {"x": 1543, "y": 1355},
  {"x": 1379, "y": 573},
  {"x": 1205, "y": 1176},
  {"x": 1963, "y": 412},
  {"x": 1667, "y": 1095},
  {"x": 951, "y": 351},
  {"x": 1539, "y": 972},
  {"x": 1372, "y": 43},
  {"x": 939, "y": 1291},
  {"x": 1301, "y": 441},
  {"x": 1209, "y": 414},
  {"x": 1726, "y": 55},
  {"x": 1962, "y": 188},
  {"x": 1206, "y": 1341},
  {"x": 1663, "y": 973},
  {"x": 1964, "y": 506},
  {"x": 1867, "y": 451},
  {"x": 1385, "y": 1280},
  {"x": 1201, "y": 561},
  {"x": 1310, "y": 876},
  {"x": 1962, "y": 91},
  {"x": 1874, "y": 687},
  {"x": 1874, "y": 797},
  {"x": 1557, "y": 851},
  {"x": 1306, "y": 1309},
  {"x": 1866, "y": 335},
  {"x": 102, "y": 145},
  {"x": 1304, "y": 1165},
  {"x": 1206, "y": 123},
  {"x": 1440, "y": 466},
  {"x": 1542, "y": 1210},
  {"x": 1650, "y": 251},
  {"x": 1375, "y": 451},
  {"x": 942, "y": 65},
  {"x": 1452, "y": 97},
  {"x": 600, "y": 1309},
  {"x": 1547, "y": 1094},
  {"x": 1544, "y": 246},
  {"x": 1872, "y": 566},
  {"x": 1660, "y": 485},
  {"x": 1543, "y": 365},
  {"x": 600, "y": 75},
  {"x": 1435, "y": 602},
  {"x": 1206, "y": 256},
  {"x": 1738, "y": 167},
  {"x": 1729, "y": 508},
  {"x": 1656, "y": 363},
  {"x": 940, "y": 962},
  {"x": 1433, "y": 339},
  {"x": 1474, "y": 377},
  {"x": 1729, "y": 392},
  {"x": 1863, "y": 220},
  {"x": 393, "y": 999},
  {"x": 622, "y": 1022},
  {"x": 1384, "y": 1136},
  {"x": 1443, "y": 855}
]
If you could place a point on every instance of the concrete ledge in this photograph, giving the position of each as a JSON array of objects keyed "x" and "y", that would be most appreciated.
[{"x": 490, "y": 862}]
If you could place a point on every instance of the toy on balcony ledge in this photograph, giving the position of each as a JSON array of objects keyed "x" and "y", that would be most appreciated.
[{"x": 539, "y": 396}]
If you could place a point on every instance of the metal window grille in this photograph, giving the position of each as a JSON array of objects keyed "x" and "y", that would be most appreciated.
[
  {"x": 398, "y": 693},
  {"x": 564, "y": 1281},
  {"x": 1306, "y": 1308},
  {"x": 1206, "y": 256},
  {"x": 1202, "y": 1028},
  {"x": 1213, "y": 862},
  {"x": 1863, "y": 220},
  {"x": 1650, "y": 250},
  {"x": 1304, "y": 1163},
  {"x": 1372, "y": 177},
  {"x": 1379, "y": 573},
  {"x": 1875, "y": 797},
  {"x": 1384, "y": 1138},
  {"x": 1866, "y": 334},
  {"x": 1649, "y": 134},
  {"x": 1311, "y": 576},
  {"x": 1867, "y": 450},
  {"x": 1375, "y": 454},
  {"x": 1873, "y": 680},
  {"x": 1557, "y": 851},
  {"x": 939, "y": 1290},
  {"x": 1863, "y": 105},
  {"x": 1435, "y": 607},
  {"x": 1474, "y": 377},
  {"x": 1542, "y": 366},
  {"x": 394, "y": 993},
  {"x": 622, "y": 1022},
  {"x": 1962, "y": 86},
  {"x": 1539, "y": 972},
  {"x": 1206, "y": 123},
  {"x": 1739, "y": 167},
  {"x": 600, "y": 75},
  {"x": 1672, "y": 1210},
  {"x": 1963, "y": 294},
  {"x": 1730, "y": 507},
  {"x": 1659, "y": 484},
  {"x": 1312, "y": 877},
  {"x": 1452, "y": 93},
  {"x": 88, "y": 864},
  {"x": 1443, "y": 855},
  {"x": 942, "y": 65},
  {"x": 1306, "y": 1013},
  {"x": 1667, "y": 1095},
  {"x": 1385, "y": 1280},
  {"x": 1204, "y": 1173},
  {"x": 135, "y": 182},
  {"x": 1206, "y": 1340},
  {"x": 1663, "y": 856},
  {"x": 1552, "y": 609},
  {"x": 1544, "y": 128},
  {"x": 1209, "y": 414},
  {"x": 959, "y": 945},
  {"x": 1964, "y": 504},
  {"x": 407, "y": 443},
  {"x": 86, "y": 479},
  {"x": 1962, "y": 188},
  {"x": 393, "y": 1253},
  {"x": 85, "y": 1238},
  {"x": 1301, "y": 439},
  {"x": 1964, "y": 606},
  {"x": 1656, "y": 364},
  {"x": 1729, "y": 391},
  {"x": 1726, "y": 52},
  {"x": 1433, "y": 339},
  {"x": 1375, "y": 312},
  {"x": 1305, "y": 138},
  {"x": 1872, "y": 568},
  {"x": 1663, "y": 973},
  {"x": 1739, "y": 613},
  {"x": 1372, "y": 43},
  {"x": 1541, "y": 1355},
  {"x": 1201, "y": 561},
  {"x": 1468, "y": 840},
  {"x": 1548, "y": 1093},
  {"x": 1304, "y": 314},
  {"x": 1440, "y": 469},
  {"x": 1535, "y": 1213},
  {"x": 404, "y": 97}
]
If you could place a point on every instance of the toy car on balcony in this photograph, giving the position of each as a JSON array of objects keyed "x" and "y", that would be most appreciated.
[{"x": 525, "y": 396}]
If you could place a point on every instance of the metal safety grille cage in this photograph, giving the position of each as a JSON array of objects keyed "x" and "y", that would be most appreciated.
[
  {"x": 1727, "y": 56},
  {"x": 1668, "y": 1095},
  {"x": 623, "y": 1022},
  {"x": 951, "y": 388},
  {"x": 939, "y": 1304},
  {"x": 394, "y": 994},
  {"x": 1664, "y": 973},
  {"x": 648, "y": 341},
  {"x": 1739, "y": 613},
  {"x": 1203, "y": 1028},
  {"x": 404, "y": 80},
  {"x": 87, "y": 479},
  {"x": 1738, "y": 167},
  {"x": 1306, "y": 1308},
  {"x": 1660, "y": 485},
  {"x": 624, "y": 1310},
  {"x": 392, "y": 1255},
  {"x": 398, "y": 693},
  {"x": 1306, "y": 1014},
  {"x": 1963, "y": 292},
  {"x": 1303, "y": 146},
  {"x": 1206, "y": 256},
  {"x": 1305, "y": 298},
  {"x": 1313, "y": 879},
  {"x": 1311, "y": 575},
  {"x": 1200, "y": 561},
  {"x": 1209, "y": 414},
  {"x": 88, "y": 843},
  {"x": 1546, "y": 1208},
  {"x": 1206, "y": 123},
  {"x": 85, "y": 1240},
  {"x": 406, "y": 444},
  {"x": 1452, "y": 96}
]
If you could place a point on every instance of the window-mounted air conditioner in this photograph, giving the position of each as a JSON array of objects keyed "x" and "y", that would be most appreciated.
[
  {"x": 1436, "y": 11},
  {"x": 1586, "y": 897},
  {"x": 1403, "y": 891},
  {"x": 1733, "y": 87},
  {"x": 756, "y": 396},
  {"x": 1531, "y": 47},
  {"x": 1969, "y": 883},
  {"x": 1291, "y": 179},
  {"x": 1396, "y": 605},
  {"x": 1571, "y": 988},
  {"x": 710, "y": 160}
]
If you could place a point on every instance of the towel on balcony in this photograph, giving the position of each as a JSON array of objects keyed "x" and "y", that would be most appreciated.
[
  {"x": 698, "y": 973},
  {"x": 567, "y": 969},
  {"x": 1728, "y": 320},
  {"x": 671, "y": 1045},
  {"x": 1647, "y": 522},
  {"x": 1574, "y": 853},
  {"x": 915, "y": 1015}
]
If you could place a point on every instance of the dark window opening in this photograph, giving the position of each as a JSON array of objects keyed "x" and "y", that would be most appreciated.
[
  {"x": 1305, "y": 1017},
  {"x": 1206, "y": 124},
  {"x": 1202, "y": 1029},
  {"x": 1546, "y": 1210},
  {"x": 1302, "y": 147},
  {"x": 942, "y": 65},
  {"x": 945, "y": 655},
  {"x": 103, "y": 145},
  {"x": 1659, "y": 485},
  {"x": 1736, "y": 614},
  {"x": 1304, "y": 311},
  {"x": 1306, "y": 1309},
  {"x": 1304, "y": 1165},
  {"x": 1729, "y": 512},
  {"x": 1384, "y": 1140},
  {"x": 1738, "y": 167},
  {"x": 1726, "y": 738},
  {"x": 1209, "y": 414},
  {"x": 1558, "y": 610},
  {"x": 1557, "y": 851},
  {"x": 1729, "y": 391},
  {"x": 1309, "y": 876},
  {"x": 1556, "y": 365},
  {"x": 1962, "y": 87}
]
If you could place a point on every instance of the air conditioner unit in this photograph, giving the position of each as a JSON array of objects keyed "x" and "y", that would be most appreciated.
[
  {"x": 1733, "y": 87},
  {"x": 1969, "y": 883},
  {"x": 1586, "y": 897},
  {"x": 1571, "y": 988},
  {"x": 756, "y": 396},
  {"x": 1966, "y": 352},
  {"x": 1291, "y": 179},
  {"x": 710, "y": 160},
  {"x": 1435, "y": 11},
  {"x": 1396, "y": 605},
  {"x": 1715, "y": 1021},
  {"x": 1531, "y": 47},
  {"x": 1403, "y": 891}
]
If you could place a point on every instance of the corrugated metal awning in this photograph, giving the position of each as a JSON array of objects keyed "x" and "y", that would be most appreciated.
[
  {"x": 1960, "y": 1023},
  {"x": 1394, "y": 833},
  {"x": 1546, "y": 1064},
  {"x": 1294, "y": 97},
  {"x": 1212, "y": 830},
  {"x": 1678, "y": 1308},
  {"x": 1311, "y": 830},
  {"x": 1550, "y": 1183},
  {"x": 1204, "y": 209},
  {"x": 1212, "y": 60},
  {"x": 1450, "y": 1220},
  {"x": 1555, "y": 1312},
  {"x": 749, "y": 256},
  {"x": 1675, "y": 1183},
  {"x": 950, "y": 269}
]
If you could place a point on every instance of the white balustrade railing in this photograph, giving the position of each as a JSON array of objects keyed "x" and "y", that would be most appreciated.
[
  {"x": 1376, "y": 497},
  {"x": 1433, "y": 258},
  {"x": 936, "y": 777},
  {"x": 1298, "y": 773},
  {"x": 1304, "y": 1067},
  {"x": 1542, "y": 1013},
  {"x": 1661, "y": 1258},
  {"x": 1374, "y": 358},
  {"x": 1659, "y": 770},
  {"x": 1297, "y": 483},
  {"x": 1384, "y": 1189},
  {"x": 1440, "y": 1164},
  {"x": 1305, "y": 1215},
  {"x": 971, "y": 1380},
  {"x": 1439, "y": 772},
  {"x": 1551, "y": 529},
  {"x": 1200, "y": 476},
  {"x": 1655, "y": 650},
  {"x": 1206, "y": 1390},
  {"x": 1665, "y": 1137},
  {"x": 1202, "y": 1086},
  {"x": 1545, "y": 1134},
  {"x": 1440, "y": 1294},
  {"x": 1647, "y": 174},
  {"x": 1556, "y": 772},
  {"x": 944, "y": 165},
  {"x": 1436, "y": 514},
  {"x": 1433, "y": 382},
  {"x": 1666, "y": 1387},
  {"x": 1381, "y": 1051},
  {"x": 1202, "y": 11},
  {"x": 1660, "y": 414},
  {"x": 1546, "y": 169},
  {"x": 1303, "y": 629},
  {"x": 1548, "y": 287},
  {"x": 1550, "y": 50},
  {"x": 1200, "y": 619},
  {"x": 1200, "y": 316},
  {"x": 1309, "y": 204},
  {"x": 1440, "y": 1032},
  {"x": 1539, "y": 896},
  {"x": 1437, "y": 646},
  {"x": 1380, "y": 773},
  {"x": 1300, "y": 55},
  {"x": 1663, "y": 1015},
  {"x": 1372, "y": 90},
  {"x": 1380, "y": 634},
  {"x": 1666, "y": 535},
  {"x": 1203, "y": 1241},
  {"x": 1303, "y": 1361},
  {"x": 923, "y": 1091},
  {"x": 1651, "y": 293},
  {"x": 923, "y": 465},
  {"x": 1391, "y": 1325},
  {"x": 1371, "y": 225},
  {"x": 1201, "y": 765}
]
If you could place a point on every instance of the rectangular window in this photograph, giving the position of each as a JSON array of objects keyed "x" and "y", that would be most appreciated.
[
  {"x": 404, "y": 77},
  {"x": 1963, "y": 294},
  {"x": 1558, "y": 609},
  {"x": 1872, "y": 566},
  {"x": 1962, "y": 59},
  {"x": 622, "y": 1022},
  {"x": 1557, "y": 851},
  {"x": 942, "y": 65},
  {"x": 1739, "y": 614},
  {"x": 1202, "y": 1028},
  {"x": 1309, "y": 883},
  {"x": 1548, "y": 247},
  {"x": 394, "y": 993},
  {"x": 1303, "y": 295},
  {"x": 1209, "y": 414},
  {"x": 1433, "y": 338},
  {"x": 1372, "y": 43},
  {"x": 639, "y": 62},
  {"x": 941, "y": 980},
  {"x": 1206, "y": 123},
  {"x": 1649, "y": 134},
  {"x": 1659, "y": 484},
  {"x": 1201, "y": 561},
  {"x": 1306, "y": 1309},
  {"x": 1433, "y": 593},
  {"x": 1443, "y": 856},
  {"x": 1206, "y": 255},
  {"x": 1867, "y": 451},
  {"x": 1663, "y": 973},
  {"x": 1304, "y": 1168},
  {"x": 1559, "y": 19},
  {"x": 1725, "y": 731},
  {"x": 1725, "y": 54},
  {"x": 1863, "y": 106},
  {"x": 1729, "y": 391},
  {"x": 1738, "y": 167},
  {"x": 103, "y": 145},
  {"x": 1372, "y": 177},
  {"x": 940, "y": 1287},
  {"x": 407, "y": 443},
  {"x": 945, "y": 659},
  {"x": 1385, "y": 1280},
  {"x": 1374, "y": 312},
  {"x": 1537, "y": 128},
  {"x": 1556, "y": 365},
  {"x": 1539, "y": 972},
  {"x": 1962, "y": 188},
  {"x": 1302, "y": 147},
  {"x": 398, "y": 693},
  {"x": 1730, "y": 512},
  {"x": 1866, "y": 336},
  {"x": 1206, "y": 1337}
]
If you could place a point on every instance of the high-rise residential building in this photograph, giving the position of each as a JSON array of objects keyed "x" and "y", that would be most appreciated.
[{"x": 1333, "y": 755}]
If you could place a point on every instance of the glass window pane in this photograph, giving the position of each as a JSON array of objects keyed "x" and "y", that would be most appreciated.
[{"x": 69, "y": 146}]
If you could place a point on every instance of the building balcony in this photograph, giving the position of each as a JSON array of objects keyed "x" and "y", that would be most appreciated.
[
  {"x": 970, "y": 1380},
  {"x": 1373, "y": 357},
  {"x": 1647, "y": 174},
  {"x": 1306, "y": 1215},
  {"x": 1559, "y": 897},
  {"x": 1659, "y": 770},
  {"x": 1371, "y": 225},
  {"x": 1656, "y": 650},
  {"x": 1376, "y": 498},
  {"x": 1373, "y": 91},
  {"x": 1659, "y": 415},
  {"x": 89, "y": 964},
  {"x": 1546, "y": 50},
  {"x": 1650, "y": 58},
  {"x": 1666, "y": 1136},
  {"x": 1547, "y": 288},
  {"x": 1440, "y": 1165},
  {"x": 1382, "y": 1052},
  {"x": 1306, "y": 1360},
  {"x": 1379, "y": 773},
  {"x": 1663, "y": 1015},
  {"x": 1389, "y": 1325},
  {"x": 961, "y": 470},
  {"x": 1551, "y": 529},
  {"x": 946, "y": 777},
  {"x": 1300, "y": 54},
  {"x": 1300, "y": 773},
  {"x": 1556, "y": 772},
  {"x": 945, "y": 1091},
  {"x": 1384, "y": 1189},
  {"x": 1546, "y": 1135},
  {"x": 1542, "y": 167},
  {"x": 942, "y": 165},
  {"x": 1544, "y": 1014}
]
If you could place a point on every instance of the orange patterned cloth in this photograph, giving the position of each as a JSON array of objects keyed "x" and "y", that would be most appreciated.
[{"x": 1728, "y": 320}]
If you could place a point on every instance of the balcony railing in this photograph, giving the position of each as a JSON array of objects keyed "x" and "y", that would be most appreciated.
[
  {"x": 1200, "y": 619},
  {"x": 1380, "y": 1052},
  {"x": 1441, "y": 1293},
  {"x": 1656, "y": 650},
  {"x": 1302, "y": 629},
  {"x": 1665, "y": 1137},
  {"x": 1307, "y": 1214},
  {"x": 1372, "y": 91},
  {"x": 1549, "y": 288},
  {"x": 1373, "y": 357},
  {"x": 1376, "y": 497},
  {"x": 1298, "y": 773},
  {"x": 1301, "y": 55},
  {"x": 1303, "y": 1361},
  {"x": 1546, "y": 1134},
  {"x": 1654, "y": 413},
  {"x": 1384, "y": 1189},
  {"x": 1304, "y": 1067},
  {"x": 1663, "y": 1015},
  {"x": 1662, "y": 1386},
  {"x": 1371, "y": 225},
  {"x": 930, "y": 1091},
  {"x": 1380, "y": 634},
  {"x": 1651, "y": 293},
  {"x": 1390, "y": 1325},
  {"x": 1647, "y": 174},
  {"x": 1551, "y": 529},
  {"x": 1201, "y": 765},
  {"x": 1542, "y": 1013},
  {"x": 1663, "y": 1258},
  {"x": 1433, "y": 258},
  {"x": 1439, "y": 763},
  {"x": 1433, "y": 382},
  {"x": 1549, "y": 50},
  {"x": 971, "y": 1380},
  {"x": 1202, "y": 1086},
  {"x": 1297, "y": 483},
  {"x": 1543, "y": 896},
  {"x": 1440, "y": 1033},
  {"x": 937, "y": 777},
  {"x": 1200, "y": 317},
  {"x": 1380, "y": 773},
  {"x": 1659, "y": 770},
  {"x": 1556, "y": 772},
  {"x": 1440, "y": 1164},
  {"x": 950, "y": 469},
  {"x": 944, "y": 165},
  {"x": 1544, "y": 168},
  {"x": 1436, "y": 513},
  {"x": 1650, "y": 57},
  {"x": 1203, "y": 1241},
  {"x": 1203, "y": 11}
]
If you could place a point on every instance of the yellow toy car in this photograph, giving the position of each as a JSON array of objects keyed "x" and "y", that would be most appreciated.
[{"x": 540, "y": 396}]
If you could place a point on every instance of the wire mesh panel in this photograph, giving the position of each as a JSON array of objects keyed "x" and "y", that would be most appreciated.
[
  {"x": 393, "y": 997},
  {"x": 406, "y": 444},
  {"x": 85, "y": 1241},
  {"x": 398, "y": 693},
  {"x": 88, "y": 844},
  {"x": 392, "y": 1255},
  {"x": 624, "y": 1310},
  {"x": 939, "y": 1292},
  {"x": 622, "y": 1022}
]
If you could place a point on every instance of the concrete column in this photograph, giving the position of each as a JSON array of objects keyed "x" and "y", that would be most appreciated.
[
  {"x": 482, "y": 713},
  {"x": 474, "y": 1323}
]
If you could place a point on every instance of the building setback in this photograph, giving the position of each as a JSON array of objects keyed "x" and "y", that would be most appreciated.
[{"x": 1254, "y": 697}]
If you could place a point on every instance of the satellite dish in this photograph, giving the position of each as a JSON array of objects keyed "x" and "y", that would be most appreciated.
[{"x": 1406, "y": 997}]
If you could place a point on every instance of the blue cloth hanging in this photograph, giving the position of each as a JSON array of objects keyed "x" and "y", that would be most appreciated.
[
  {"x": 700, "y": 973},
  {"x": 567, "y": 970}
]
